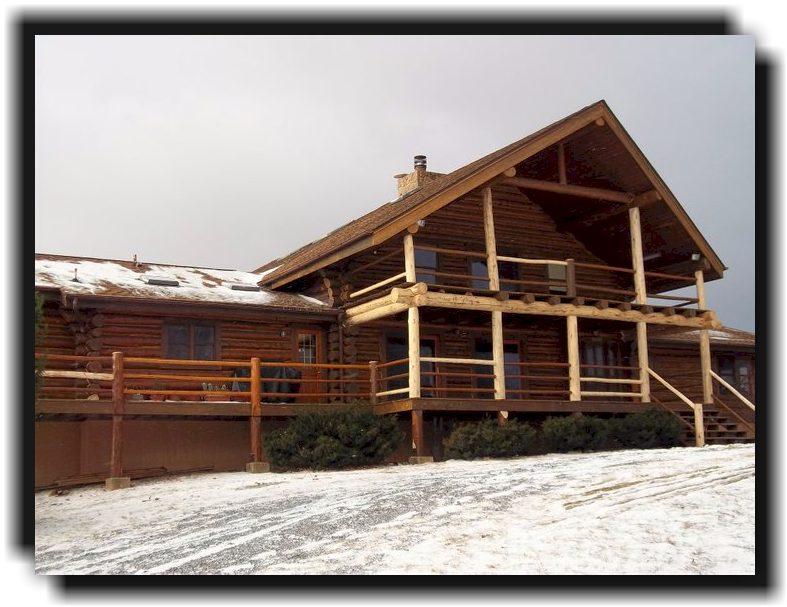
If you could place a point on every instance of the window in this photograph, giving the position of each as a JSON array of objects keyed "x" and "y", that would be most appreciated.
[
  {"x": 307, "y": 348},
  {"x": 511, "y": 355},
  {"x": 505, "y": 270},
  {"x": 396, "y": 349},
  {"x": 190, "y": 341},
  {"x": 737, "y": 372},
  {"x": 601, "y": 357},
  {"x": 425, "y": 260}
]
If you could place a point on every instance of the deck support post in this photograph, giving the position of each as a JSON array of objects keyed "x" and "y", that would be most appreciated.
[
  {"x": 116, "y": 479},
  {"x": 414, "y": 352},
  {"x": 409, "y": 258},
  {"x": 572, "y": 332},
  {"x": 255, "y": 422},
  {"x": 643, "y": 362},
  {"x": 373, "y": 384},
  {"x": 705, "y": 364},
  {"x": 419, "y": 445},
  {"x": 636, "y": 256},
  {"x": 498, "y": 350}
]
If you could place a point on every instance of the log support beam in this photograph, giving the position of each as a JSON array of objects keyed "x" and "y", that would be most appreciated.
[
  {"x": 636, "y": 256},
  {"x": 642, "y": 361},
  {"x": 572, "y": 333},
  {"x": 116, "y": 479},
  {"x": 414, "y": 352}
]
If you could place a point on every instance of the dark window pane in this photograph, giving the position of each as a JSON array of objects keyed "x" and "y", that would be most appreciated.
[
  {"x": 425, "y": 260},
  {"x": 203, "y": 334},
  {"x": 178, "y": 351},
  {"x": 307, "y": 348},
  {"x": 478, "y": 268},
  {"x": 396, "y": 349},
  {"x": 427, "y": 349},
  {"x": 203, "y": 353},
  {"x": 508, "y": 269},
  {"x": 178, "y": 334}
]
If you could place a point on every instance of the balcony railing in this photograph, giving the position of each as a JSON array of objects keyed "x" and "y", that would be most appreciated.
[
  {"x": 576, "y": 280},
  {"x": 103, "y": 378}
]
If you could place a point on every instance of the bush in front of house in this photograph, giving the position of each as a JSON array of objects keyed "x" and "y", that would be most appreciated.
[
  {"x": 650, "y": 429},
  {"x": 333, "y": 439},
  {"x": 488, "y": 438},
  {"x": 575, "y": 432}
]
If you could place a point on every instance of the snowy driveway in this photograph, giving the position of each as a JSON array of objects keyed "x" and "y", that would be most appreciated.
[{"x": 671, "y": 511}]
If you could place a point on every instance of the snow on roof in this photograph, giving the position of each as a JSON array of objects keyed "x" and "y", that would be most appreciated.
[
  {"x": 105, "y": 277},
  {"x": 725, "y": 335}
]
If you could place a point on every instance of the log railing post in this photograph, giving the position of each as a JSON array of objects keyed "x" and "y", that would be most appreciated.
[
  {"x": 116, "y": 479},
  {"x": 255, "y": 421},
  {"x": 373, "y": 388},
  {"x": 414, "y": 352},
  {"x": 643, "y": 362},
  {"x": 572, "y": 332},
  {"x": 705, "y": 362}
]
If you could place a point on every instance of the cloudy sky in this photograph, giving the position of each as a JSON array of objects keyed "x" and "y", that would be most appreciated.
[{"x": 230, "y": 151}]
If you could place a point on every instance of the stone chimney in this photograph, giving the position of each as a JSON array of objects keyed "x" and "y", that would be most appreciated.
[{"x": 407, "y": 182}]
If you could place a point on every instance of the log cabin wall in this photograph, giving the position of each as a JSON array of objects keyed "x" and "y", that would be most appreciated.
[{"x": 522, "y": 229}]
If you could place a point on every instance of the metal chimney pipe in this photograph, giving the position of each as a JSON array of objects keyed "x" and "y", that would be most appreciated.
[{"x": 420, "y": 163}]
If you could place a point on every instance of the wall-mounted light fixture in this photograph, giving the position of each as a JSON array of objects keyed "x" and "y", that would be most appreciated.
[
  {"x": 695, "y": 256},
  {"x": 284, "y": 333},
  {"x": 421, "y": 223}
]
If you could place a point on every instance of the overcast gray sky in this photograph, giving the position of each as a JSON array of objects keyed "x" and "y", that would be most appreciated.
[{"x": 229, "y": 152}]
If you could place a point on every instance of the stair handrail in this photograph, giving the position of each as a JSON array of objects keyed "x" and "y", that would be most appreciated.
[
  {"x": 740, "y": 396},
  {"x": 672, "y": 389},
  {"x": 664, "y": 407},
  {"x": 718, "y": 401}
]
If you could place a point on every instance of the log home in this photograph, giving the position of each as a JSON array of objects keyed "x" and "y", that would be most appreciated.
[{"x": 538, "y": 280}]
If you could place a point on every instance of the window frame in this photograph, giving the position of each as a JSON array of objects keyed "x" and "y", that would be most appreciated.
[
  {"x": 479, "y": 382},
  {"x": 190, "y": 325}
]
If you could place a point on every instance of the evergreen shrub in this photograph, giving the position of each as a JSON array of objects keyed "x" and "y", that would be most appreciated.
[
  {"x": 488, "y": 438},
  {"x": 320, "y": 440},
  {"x": 649, "y": 429},
  {"x": 575, "y": 432}
]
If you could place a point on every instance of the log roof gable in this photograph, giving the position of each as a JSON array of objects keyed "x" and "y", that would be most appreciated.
[{"x": 531, "y": 154}]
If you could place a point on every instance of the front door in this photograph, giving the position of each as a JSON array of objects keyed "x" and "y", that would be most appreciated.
[{"x": 308, "y": 345}]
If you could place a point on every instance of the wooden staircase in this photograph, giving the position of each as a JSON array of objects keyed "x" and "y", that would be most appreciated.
[{"x": 721, "y": 427}]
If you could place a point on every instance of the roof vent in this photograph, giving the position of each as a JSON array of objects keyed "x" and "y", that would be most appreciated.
[
  {"x": 419, "y": 163},
  {"x": 242, "y": 286},
  {"x": 163, "y": 281}
]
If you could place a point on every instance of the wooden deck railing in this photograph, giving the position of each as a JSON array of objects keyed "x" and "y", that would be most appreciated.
[
  {"x": 203, "y": 380},
  {"x": 581, "y": 281},
  {"x": 172, "y": 380}
]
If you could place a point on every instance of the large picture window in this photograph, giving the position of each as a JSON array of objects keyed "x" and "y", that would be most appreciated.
[{"x": 190, "y": 341}]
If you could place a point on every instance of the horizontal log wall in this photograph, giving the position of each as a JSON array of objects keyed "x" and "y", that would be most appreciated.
[
  {"x": 522, "y": 229},
  {"x": 140, "y": 333}
]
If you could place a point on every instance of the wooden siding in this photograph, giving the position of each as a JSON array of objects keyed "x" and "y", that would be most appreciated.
[{"x": 522, "y": 229}]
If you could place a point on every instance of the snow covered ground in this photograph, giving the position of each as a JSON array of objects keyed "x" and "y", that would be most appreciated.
[{"x": 667, "y": 511}]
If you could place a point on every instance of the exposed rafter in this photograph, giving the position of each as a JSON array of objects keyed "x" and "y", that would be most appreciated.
[{"x": 571, "y": 190}]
